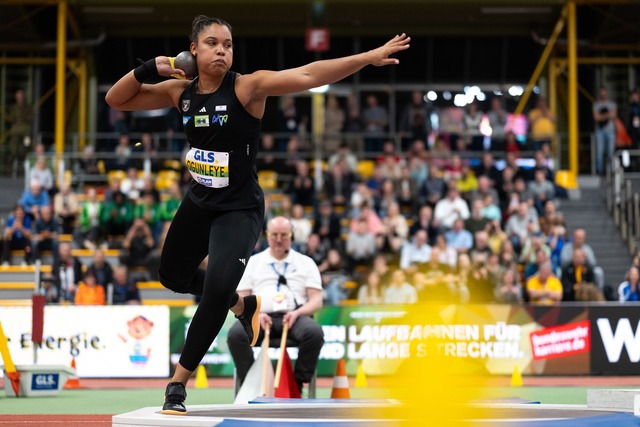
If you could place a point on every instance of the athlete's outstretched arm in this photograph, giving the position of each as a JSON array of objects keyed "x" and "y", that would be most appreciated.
[{"x": 262, "y": 84}]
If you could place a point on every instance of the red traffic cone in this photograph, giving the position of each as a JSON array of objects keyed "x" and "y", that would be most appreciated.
[
  {"x": 73, "y": 381},
  {"x": 287, "y": 387},
  {"x": 340, "y": 388}
]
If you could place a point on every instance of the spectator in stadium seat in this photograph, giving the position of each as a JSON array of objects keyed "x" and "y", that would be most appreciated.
[
  {"x": 88, "y": 163},
  {"x": 101, "y": 268},
  {"x": 292, "y": 155},
  {"x": 448, "y": 255},
  {"x": 117, "y": 215},
  {"x": 541, "y": 190},
  {"x": 476, "y": 221},
  {"x": 17, "y": 236},
  {"x": 544, "y": 287},
  {"x": 406, "y": 190},
  {"x": 302, "y": 187},
  {"x": 268, "y": 154},
  {"x": 34, "y": 198},
  {"x": 125, "y": 290},
  {"x": 629, "y": 290},
  {"x": 123, "y": 160},
  {"x": 382, "y": 267},
  {"x": 399, "y": 290},
  {"x": 458, "y": 238},
  {"x": 334, "y": 276},
  {"x": 498, "y": 120},
  {"x": 170, "y": 204},
  {"x": 579, "y": 240},
  {"x": 509, "y": 290},
  {"x": 67, "y": 272},
  {"x": 334, "y": 117},
  {"x": 148, "y": 209},
  {"x": 395, "y": 230},
  {"x": 440, "y": 282},
  {"x": 434, "y": 187},
  {"x": 89, "y": 230},
  {"x": 556, "y": 238},
  {"x": 374, "y": 223},
  {"x": 48, "y": 289},
  {"x": 466, "y": 182},
  {"x": 42, "y": 173},
  {"x": 542, "y": 124},
  {"x": 529, "y": 255},
  {"x": 301, "y": 226},
  {"x": 520, "y": 224},
  {"x": 375, "y": 119},
  {"x": 361, "y": 244},
  {"x": 361, "y": 195},
  {"x": 480, "y": 283},
  {"x": 415, "y": 120},
  {"x": 90, "y": 292},
  {"x": 138, "y": 244},
  {"x": 487, "y": 168},
  {"x": 386, "y": 197},
  {"x": 371, "y": 292},
  {"x": 426, "y": 222},
  {"x": 418, "y": 168},
  {"x": 66, "y": 208},
  {"x": 343, "y": 153},
  {"x": 416, "y": 251},
  {"x": 132, "y": 184},
  {"x": 338, "y": 184},
  {"x": 450, "y": 208},
  {"x": 480, "y": 245},
  {"x": 315, "y": 249},
  {"x": 484, "y": 189},
  {"x": 45, "y": 234},
  {"x": 576, "y": 273},
  {"x": 326, "y": 224}
]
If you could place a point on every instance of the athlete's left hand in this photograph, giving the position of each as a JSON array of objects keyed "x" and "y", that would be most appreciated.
[{"x": 381, "y": 55}]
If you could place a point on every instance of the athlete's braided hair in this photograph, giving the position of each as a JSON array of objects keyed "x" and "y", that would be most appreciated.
[{"x": 200, "y": 22}]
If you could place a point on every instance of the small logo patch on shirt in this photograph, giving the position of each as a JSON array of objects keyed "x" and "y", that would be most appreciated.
[{"x": 201, "y": 121}]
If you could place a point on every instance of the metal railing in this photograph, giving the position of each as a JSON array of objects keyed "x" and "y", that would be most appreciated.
[{"x": 623, "y": 203}]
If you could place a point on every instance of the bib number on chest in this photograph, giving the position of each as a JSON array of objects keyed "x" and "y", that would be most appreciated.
[{"x": 208, "y": 168}]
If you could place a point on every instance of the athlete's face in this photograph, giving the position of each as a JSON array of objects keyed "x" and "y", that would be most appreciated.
[{"x": 214, "y": 49}]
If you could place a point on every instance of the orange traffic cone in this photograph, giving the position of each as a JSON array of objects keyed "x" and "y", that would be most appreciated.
[
  {"x": 340, "y": 388},
  {"x": 73, "y": 381}
]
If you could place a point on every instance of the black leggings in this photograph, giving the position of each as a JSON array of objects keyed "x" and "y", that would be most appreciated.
[{"x": 229, "y": 239}]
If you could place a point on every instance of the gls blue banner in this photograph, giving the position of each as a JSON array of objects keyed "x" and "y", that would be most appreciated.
[{"x": 45, "y": 381}]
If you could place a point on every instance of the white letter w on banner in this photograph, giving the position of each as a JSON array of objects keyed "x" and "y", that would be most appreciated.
[{"x": 624, "y": 336}]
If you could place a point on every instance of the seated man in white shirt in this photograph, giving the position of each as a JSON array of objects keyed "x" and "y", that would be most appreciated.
[{"x": 290, "y": 288}]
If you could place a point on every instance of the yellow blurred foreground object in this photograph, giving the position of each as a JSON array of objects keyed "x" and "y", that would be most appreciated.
[
  {"x": 435, "y": 388},
  {"x": 516, "y": 377},
  {"x": 361, "y": 378},
  {"x": 9, "y": 366},
  {"x": 201, "y": 377}
]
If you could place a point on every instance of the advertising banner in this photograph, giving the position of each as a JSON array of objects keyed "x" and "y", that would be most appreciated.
[
  {"x": 105, "y": 341},
  {"x": 496, "y": 338},
  {"x": 615, "y": 348}
]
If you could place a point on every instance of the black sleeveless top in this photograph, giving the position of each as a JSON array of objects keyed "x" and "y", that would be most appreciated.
[{"x": 224, "y": 140}]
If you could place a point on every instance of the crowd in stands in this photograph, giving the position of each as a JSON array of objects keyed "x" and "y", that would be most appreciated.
[{"x": 434, "y": 218}]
